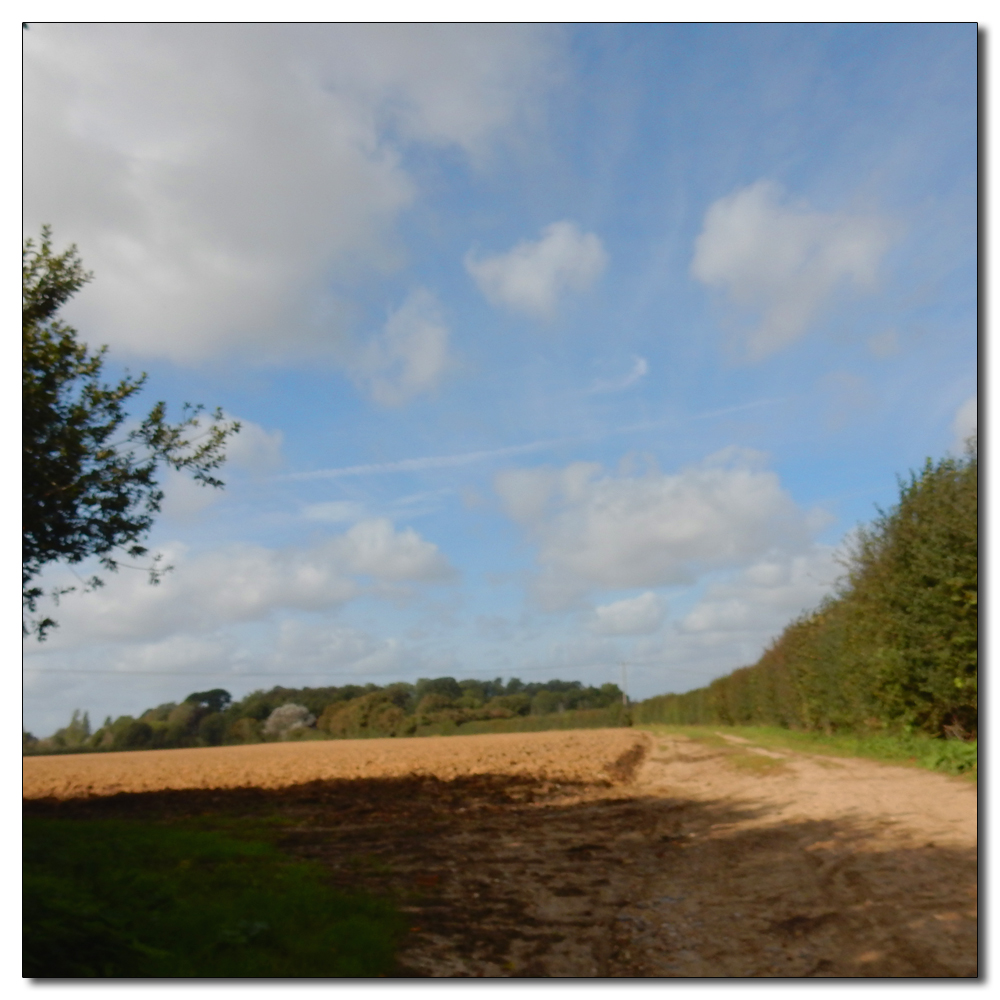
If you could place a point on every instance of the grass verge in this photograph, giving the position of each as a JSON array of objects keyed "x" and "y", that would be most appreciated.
[
  {"x": 123, "y": 899},
  {"x": 950, "y": 756}
]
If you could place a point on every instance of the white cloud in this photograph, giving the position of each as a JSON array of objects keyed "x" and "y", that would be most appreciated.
[
  {"x": 766, "y": 596},
  {"x": 965, "y": 424},
  {"x": 226, "y": 177},
  {"x": 337, "y": 648},
  {"x": 374, "y": 548},
  {"x": 784, "y": 261},
  {"x": 244, "y": 583},
  {"x": 533, "y": 275},
  {"x": 253, "y": 448},
  {"x": 183, "y": 497},
  {"x": 640, "y": 369},
  {"x": 737, "y": 617},
  {"x": 620, "y": 532},
  {"x": 411, "y": 354},
  {"x": 640, "y": 615}
]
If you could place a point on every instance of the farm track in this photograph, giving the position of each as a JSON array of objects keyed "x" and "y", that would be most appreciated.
[{"x": 674, "y": 859}]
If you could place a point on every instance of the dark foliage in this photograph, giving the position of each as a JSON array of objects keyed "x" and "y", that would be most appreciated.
[{"x": 85, "y": 492}]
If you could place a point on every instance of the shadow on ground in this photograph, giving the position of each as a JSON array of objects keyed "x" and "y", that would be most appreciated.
[{"x": 512, "y": 877}]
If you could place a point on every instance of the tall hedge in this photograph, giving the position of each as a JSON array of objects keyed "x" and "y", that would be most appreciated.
[{"x": 896, "y": 646}]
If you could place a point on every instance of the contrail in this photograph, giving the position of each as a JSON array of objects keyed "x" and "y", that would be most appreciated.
[
  {"x": 428, "y": 462},
  {"x": 470, "y": 457}
]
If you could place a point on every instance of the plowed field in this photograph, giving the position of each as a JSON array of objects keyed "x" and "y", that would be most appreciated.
[
  {"x": 578, "y": 755},
  {"x": 593, "y": 853}
]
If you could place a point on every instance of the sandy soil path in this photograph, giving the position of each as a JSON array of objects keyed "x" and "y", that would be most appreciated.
[{"x": 637, "y": 855}]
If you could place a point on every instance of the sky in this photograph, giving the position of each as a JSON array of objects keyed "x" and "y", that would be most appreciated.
[{"x": 555, "y": 348}]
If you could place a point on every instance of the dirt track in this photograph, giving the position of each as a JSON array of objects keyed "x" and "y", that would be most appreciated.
[{"x": 620, "y": 853}]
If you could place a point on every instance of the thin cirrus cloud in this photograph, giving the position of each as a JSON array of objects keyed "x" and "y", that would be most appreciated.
[
  {"x": 227, "y": 178},
  {"x": 782, "y": 262},
  {"x": 410, "y": 356},
  {"x": 639, "y": 370},
  {"x": 599, "y": 531},
  {"x": 535, "y": 274}
]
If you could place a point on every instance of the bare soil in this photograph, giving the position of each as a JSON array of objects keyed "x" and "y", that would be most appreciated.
[
  {"x": 574, "y": 755},
  {"x": 596, "y": 853}
]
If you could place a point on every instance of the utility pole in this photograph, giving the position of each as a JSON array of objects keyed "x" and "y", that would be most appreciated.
[{"x": 624, "y": 667}]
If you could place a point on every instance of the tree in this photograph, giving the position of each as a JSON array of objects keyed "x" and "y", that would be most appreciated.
[
  {"x": 216, "y": 700},
  {"x": 85, "y": 493}
]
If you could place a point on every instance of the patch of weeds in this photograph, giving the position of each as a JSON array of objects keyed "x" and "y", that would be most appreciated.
[
  {"x": 123, "y": 899},
  {"x": 239, "y": 826},
  {"x": 756, "y": 763}
]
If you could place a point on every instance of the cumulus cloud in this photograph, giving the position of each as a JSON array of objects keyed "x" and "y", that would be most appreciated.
[
  {"x": 411, "y": 354},
  {"x": 964, "y": 425},
  {"x": 226, "y": 177},
  {"x": 244, "y": 583},
  {"x": 765, "y": 596},
  {"x": 640, "y": 615},
  {"x": 534, "y": 275},
  {"x": 599, "y": 530},
  {"x": 783, "y": 261},
  {"x": 730, "y": 625},
  {"x": 374, "y": 548}
]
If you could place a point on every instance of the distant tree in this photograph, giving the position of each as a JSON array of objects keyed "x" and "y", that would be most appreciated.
[
  {"x": 379, "y": 713},
  {"x": 131, "y": 734},
  {"x": 212, "y": 728},
  {"x": 216, "y": 700},
  {"x": 87, "y": 492},
  {"x": 446, "y": 687}
]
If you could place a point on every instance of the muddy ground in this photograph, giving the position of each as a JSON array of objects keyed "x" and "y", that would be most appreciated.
[{"x": 686, "y": 860}]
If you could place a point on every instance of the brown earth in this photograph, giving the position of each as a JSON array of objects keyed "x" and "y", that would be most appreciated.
[
  {"x": 594, "y": 853},
  {"x": 575, "y": 755}
]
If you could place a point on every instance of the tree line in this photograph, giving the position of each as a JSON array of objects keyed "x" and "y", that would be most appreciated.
[
  {"x": 353, "y": 711},
  {"x": 895, "y": 648}
]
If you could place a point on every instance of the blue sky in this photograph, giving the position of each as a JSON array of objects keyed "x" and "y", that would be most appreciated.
[{"x": 555, "y": 347}]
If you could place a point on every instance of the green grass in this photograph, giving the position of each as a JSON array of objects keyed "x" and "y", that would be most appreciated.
[
  {"x": 111, "y": 898},
  {"x": 949, "y": 756}
]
